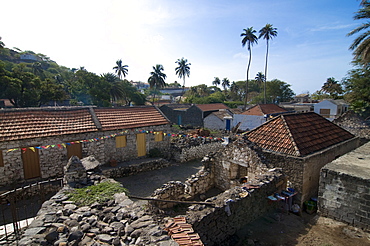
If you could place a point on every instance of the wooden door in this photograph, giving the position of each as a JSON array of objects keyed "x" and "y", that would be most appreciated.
[
  {"x": 140, "y": 144},
  {"x": 74, "y": 149},
  {"x": 31, "y": 163}
]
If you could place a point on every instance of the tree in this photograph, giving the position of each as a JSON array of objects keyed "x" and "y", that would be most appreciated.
[
  {"x": 279, "y": 91},
  {"x": 249, "y": 38},
  {"x": 225, "y": 83},
  {"x": 361, "y": 45},
  {"x": 120, "y": 69},
  {"x": 357, "y": 90},
  {"x": 2, "y": 45},
  {"x": 156, "y": 79},
  {"x": 182, "y": 70},
  {"x": 332, "y": 87},
  {"x": 216, "y": 82},
  {"x": 260, "y": 78},
  {"x": 116, "y": 89},
  {"x": 37, "y": 69},
  {"x": 267, "y": 32}
]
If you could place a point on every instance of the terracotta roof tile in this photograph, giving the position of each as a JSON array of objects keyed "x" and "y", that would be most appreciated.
[
  {"x": 129, "y": 117},
  {"x": 43, "y": 122},
  {"x": 298, "y": 134},
  {"x": 263, "y": 109},
  {"x": 212, "y": 106}
]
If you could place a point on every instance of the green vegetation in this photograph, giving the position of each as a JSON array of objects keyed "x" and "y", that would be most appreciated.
[
  {"x": 28, "y": 79},
  {"x": 100, "y": 193}
]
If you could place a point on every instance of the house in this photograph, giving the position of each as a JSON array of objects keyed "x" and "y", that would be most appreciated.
[
  {"x": 36, "y": 143},
  {"x": 256, "y": 115},
  {"x": 190, "y": 114},
  {"x": 297, "y": 107},
  {"x": 220, "y": 120},
  {"x": 302, "y": 98},
  {"x": 301, "y": 144},
  {"x": 331, "y": 109}
]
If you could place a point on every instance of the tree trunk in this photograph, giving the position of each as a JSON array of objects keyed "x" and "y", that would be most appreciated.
[
  {"x": 247, "y": 82},
  {"x": 264, "y": 84}
]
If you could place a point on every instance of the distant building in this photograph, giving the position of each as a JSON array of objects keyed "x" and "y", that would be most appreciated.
[
  {"x": 257, "y": 115},
  {"x": 302, "y": 98},
  {"x": 331, "y": 109},
  {"x": 29, "y": 57}
]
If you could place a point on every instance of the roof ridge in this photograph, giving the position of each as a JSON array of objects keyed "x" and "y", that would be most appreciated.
[{"x": 290, "y": 135}]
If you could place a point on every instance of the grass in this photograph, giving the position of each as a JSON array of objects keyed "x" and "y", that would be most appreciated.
[{"x": 100, "y": 193}]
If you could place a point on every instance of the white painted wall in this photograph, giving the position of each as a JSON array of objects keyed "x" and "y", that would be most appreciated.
[{"x": 248, "y": 121}]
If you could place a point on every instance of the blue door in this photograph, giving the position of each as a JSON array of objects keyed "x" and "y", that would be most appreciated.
[
  {"x": 228, "y": 124},
  {"x": 179, "y": 119}
]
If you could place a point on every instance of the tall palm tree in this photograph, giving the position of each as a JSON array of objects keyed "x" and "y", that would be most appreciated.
[
  {"x": 120, "y": 69},
  {"x": 156, "y": 79},
  {"x": 216, "y": 82},
  {"x": 249, "y": 38},
  {"x": 225, "y": 83},
  {"x": 183, "y": 70},
  {"x": 267, "y": 32}
]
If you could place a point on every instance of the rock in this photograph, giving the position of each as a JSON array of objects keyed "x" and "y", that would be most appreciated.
[
  {"x": 75, "y": 236},
  {"x": 90, "y": 163},
  {"x": 105, "y": 238},
  {"x": 70, "y": 206},
  {"x": 71, "y": 223},
  {"x": 85, "y": 227},
  {"x": 34, "y": 231},
  {"x": 52, "y": 236},
  {"x": 117, "y": 225}
]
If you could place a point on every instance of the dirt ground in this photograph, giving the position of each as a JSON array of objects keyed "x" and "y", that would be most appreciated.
[{"x": 305, "y": 230}]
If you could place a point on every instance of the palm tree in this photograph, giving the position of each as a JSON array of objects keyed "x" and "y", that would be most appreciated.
[
  {"x": 183, "y": 70},
  {"x": 156, "y": 79},
  {"x": 2, "y": 45},
  {"x": 249, "y": 39},
  {"x": 267, "y": 32},
  {"x": 216, "y": 82},
  {"x": 116, "y": 88},
  {"x": 225, "y": 83},
  {"x": 332, "y": 87},
  {"x": 120, "y": 69},
  {"x": 260, "y": 78},
  {"x": 361, "y": 45}
]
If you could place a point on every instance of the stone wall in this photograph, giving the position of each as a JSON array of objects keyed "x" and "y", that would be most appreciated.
[
  {"x": 134, "y": 167},
  {"x": 233, "y": 209},
  {"x": 304, "y": 172},
  {"x": 52, "y": 159},
  {"x": 237, "y": 160},
  {"x": 198, "y": 183},
  {"x": 197, "y": 150},
  {"x": 344, "y": 192}
]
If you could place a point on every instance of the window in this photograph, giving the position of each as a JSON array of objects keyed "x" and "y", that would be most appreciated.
[
  {"x": 325, "y": 112},
  {"x": 121, "y": 141},
  {"x": 158, "y": 137}
]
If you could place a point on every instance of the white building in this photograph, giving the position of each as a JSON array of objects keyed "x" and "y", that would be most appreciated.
[{"x": 331, "y": 109}]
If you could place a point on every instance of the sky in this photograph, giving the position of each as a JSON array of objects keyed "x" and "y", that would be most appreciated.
[{"x": 311, "y": 44}]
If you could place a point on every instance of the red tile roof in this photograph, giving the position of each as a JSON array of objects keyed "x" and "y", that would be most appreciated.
[
  {"x": 17, "y": 124},
  {"x": 42, "y": 122},
  {"x": 263, "y": 109},
  {"x": 212, "y": 106},
  {"x": 129, "y": 117},
  {"x": 182, "y": 232},
  {"x": 298, "y": 134}
]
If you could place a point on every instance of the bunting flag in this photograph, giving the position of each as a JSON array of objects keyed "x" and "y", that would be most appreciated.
[{"x": 64, "y": 145}]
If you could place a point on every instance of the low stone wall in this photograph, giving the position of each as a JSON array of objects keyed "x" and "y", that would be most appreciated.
[
  {"x": 344, "y": 192},
  {"x": 134, "y": 167},
  {"x": 198, "y": 183},
  {"x": 233, "y": 209},
  {"x": 196, "y": 151}
]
